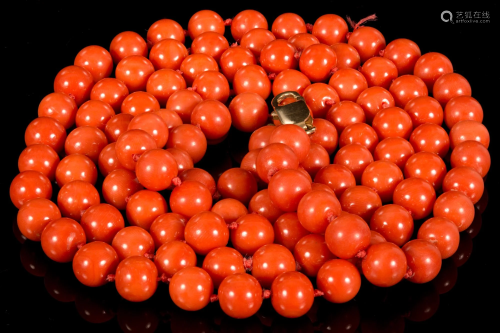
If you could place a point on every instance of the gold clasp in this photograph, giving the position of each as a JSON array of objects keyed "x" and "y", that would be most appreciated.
[{"x": 296, "y": 113}]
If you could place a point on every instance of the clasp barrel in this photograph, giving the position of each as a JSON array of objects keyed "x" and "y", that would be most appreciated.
[{"x": 296, "y": 113}]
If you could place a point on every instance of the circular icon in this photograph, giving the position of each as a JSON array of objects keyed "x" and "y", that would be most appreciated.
[{"x": 450, "y": 19}]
